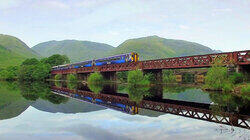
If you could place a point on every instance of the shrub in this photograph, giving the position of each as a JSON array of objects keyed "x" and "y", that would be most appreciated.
[
  {"x": 236, "y": 78},
  {"x": 58, "y": 77},
  {"x": 136, "y": 78},
  {"x": 168, "y": 76},
  {"x": 227, "y": 86},
  {"x": 122, "y": 76},
  {"x": 216, "y": 77},
  {"x": 95, "y": 78},
  {"x": 246, "y": 89}
]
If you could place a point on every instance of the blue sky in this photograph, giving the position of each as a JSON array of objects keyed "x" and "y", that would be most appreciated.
[{"x": 219, "y": 24}]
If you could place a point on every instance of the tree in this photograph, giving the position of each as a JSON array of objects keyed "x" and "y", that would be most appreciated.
[
  {"x": 30, "y": 61},
  {"x": 56, "y": 59},
  {"x": 41, "y": 72},
  {"x": 25, "y": 72},
  {"x": 136, "y": 77}
]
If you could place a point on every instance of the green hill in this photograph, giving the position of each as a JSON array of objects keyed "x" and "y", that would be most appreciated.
[
  {"x": 154, "y": 47},
  {"x": 13, "y": 51},
  {"x": 151, "y": 47},
  {"x": 74, "y": 49}
]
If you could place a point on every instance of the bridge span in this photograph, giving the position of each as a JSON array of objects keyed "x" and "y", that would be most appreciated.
[
  {"x": 238, "y": 61},
  {"x": 238, "y": 58}
]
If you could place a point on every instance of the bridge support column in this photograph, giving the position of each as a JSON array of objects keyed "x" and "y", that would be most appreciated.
[
  {"x": 157, "y": 75},
  {"x": 109, "y": 75}
]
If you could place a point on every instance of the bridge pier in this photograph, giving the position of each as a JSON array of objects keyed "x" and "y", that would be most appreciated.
[
  {"x": 109, "y": 75},
  {"x": 157, "y": 73}
]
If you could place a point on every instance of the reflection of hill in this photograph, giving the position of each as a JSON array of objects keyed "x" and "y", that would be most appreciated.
[
  {"x": 71, "y": 106},
  {"x": 12, "y": 102},
  {"x": 13, "y": 109},
  {"x": 149, "y": 113}
]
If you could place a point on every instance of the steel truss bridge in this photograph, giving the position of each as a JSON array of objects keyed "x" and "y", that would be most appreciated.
[{"x": 237, "y": 58}]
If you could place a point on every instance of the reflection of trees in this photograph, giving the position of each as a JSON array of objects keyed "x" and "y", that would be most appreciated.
[
  {"x": 136, "y": 93},
  {"x": 36, "y": 90},
  {"x": 58, "y": 83},
  {"x": 72, "y": 85},
  {"x": 56, "y": 99},
  {"x": 229, "y": 102},
  {"x": 96, "y": 88}
]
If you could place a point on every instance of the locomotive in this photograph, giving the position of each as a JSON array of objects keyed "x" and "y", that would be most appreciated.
[{"x": 122, "y": 58}]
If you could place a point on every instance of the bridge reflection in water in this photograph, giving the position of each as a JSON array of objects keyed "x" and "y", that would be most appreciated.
[{"x": 122, "y": 102}]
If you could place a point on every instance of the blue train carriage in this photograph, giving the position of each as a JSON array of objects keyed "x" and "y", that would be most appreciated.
[
  {"x": 117, "y": 59},
  {"x": 82, "y": 64}
]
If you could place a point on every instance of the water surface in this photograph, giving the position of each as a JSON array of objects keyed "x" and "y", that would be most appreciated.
[{"x": 32, "y": 111}]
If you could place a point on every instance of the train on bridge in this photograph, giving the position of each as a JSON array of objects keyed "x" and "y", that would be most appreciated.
[{"x": 117, "y": 59}]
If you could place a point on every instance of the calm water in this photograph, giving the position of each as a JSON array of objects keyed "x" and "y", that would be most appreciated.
[{"x": 75, "y": 111}]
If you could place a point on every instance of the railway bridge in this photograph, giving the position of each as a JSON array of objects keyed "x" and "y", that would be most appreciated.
[{"x": 235, "y": 61}]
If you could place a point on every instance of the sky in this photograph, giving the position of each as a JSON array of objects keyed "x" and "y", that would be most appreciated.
[{"x": 219, "y": 24}]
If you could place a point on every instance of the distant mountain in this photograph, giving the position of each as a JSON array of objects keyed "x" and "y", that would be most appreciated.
[
  {"x": 74, "y": 49},
  {"x": 154, "y": 47},
  {"x": 151, "y": 47},
  {"x": 13, "y": 51}
]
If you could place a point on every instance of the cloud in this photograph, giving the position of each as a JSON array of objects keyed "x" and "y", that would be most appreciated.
[
  {"x": 222, "y": 10},
  {"x": 6, "y": 4},
  {"x": 51, "y": 4},
  {"x": 184, "y": 27},
  {"x": 90, "y": 3}
]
